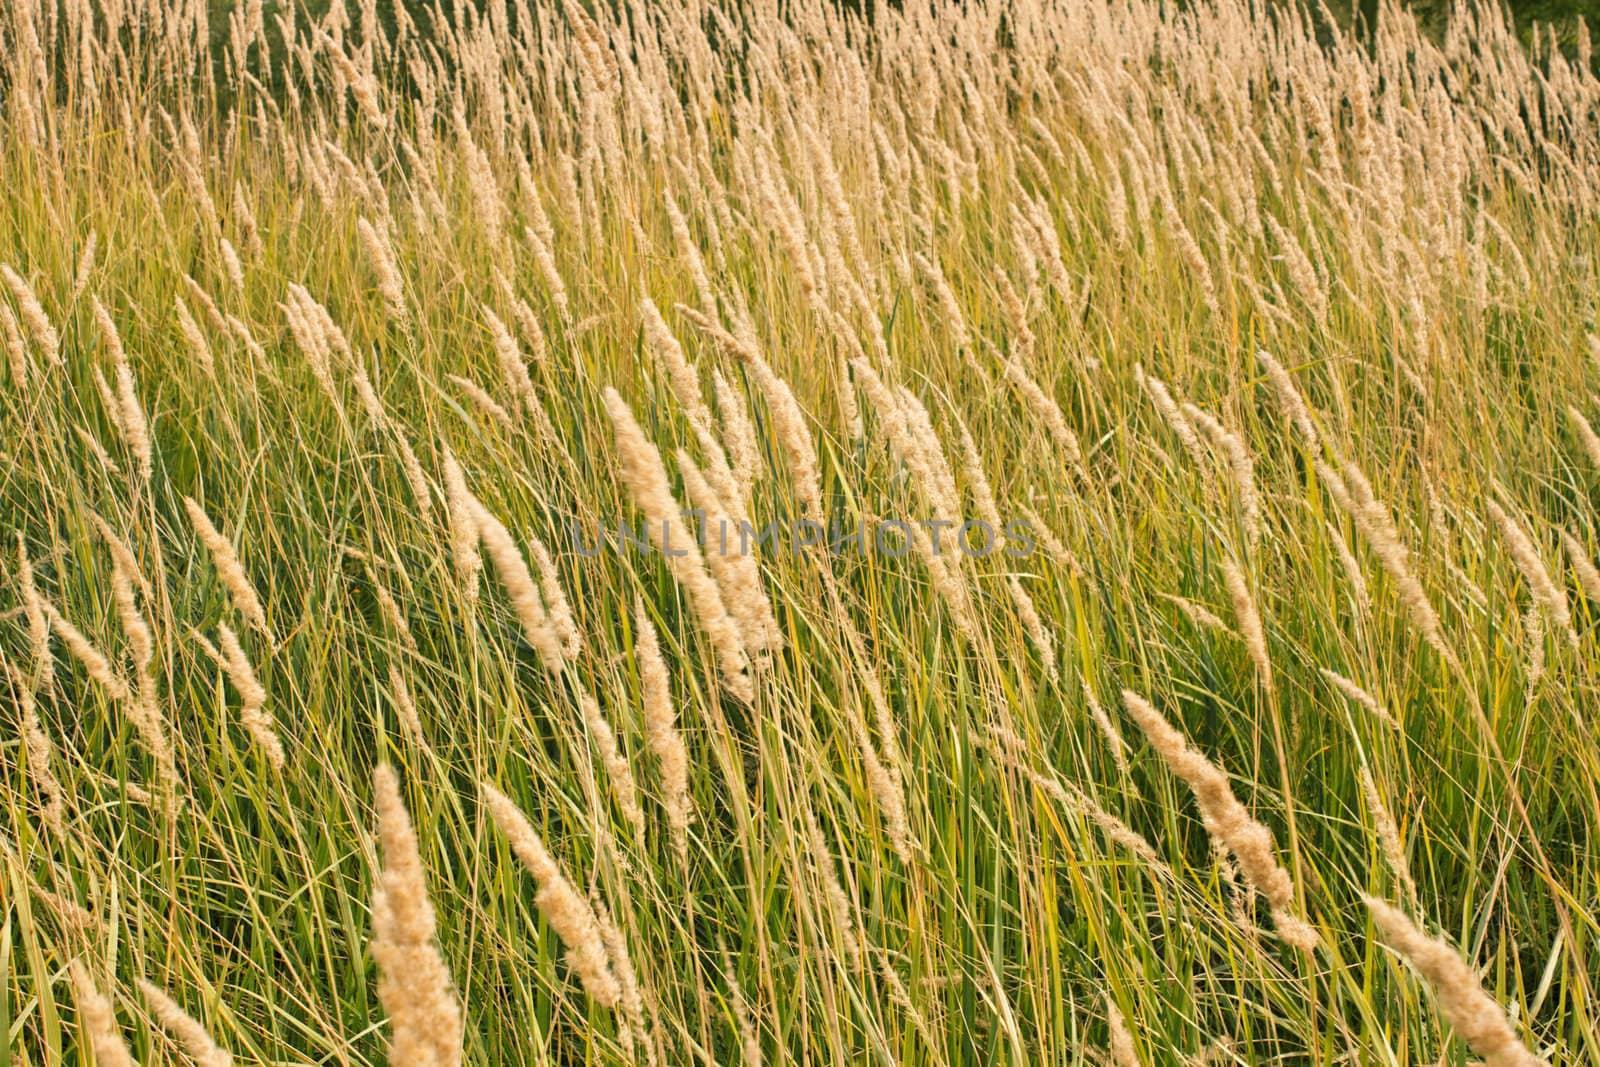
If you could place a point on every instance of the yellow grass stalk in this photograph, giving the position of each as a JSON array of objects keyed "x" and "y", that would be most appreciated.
[
  {"x": 229, "y": 570},
  {"x": 646, "y": 478},
  {"x": 186, "y": 1030},
  {"x": 415, "y": 988},
  {"x": 1226, "y": 820},
  {"x": 563, "y": 907},
  {"x": 1472, "y": 1012}
]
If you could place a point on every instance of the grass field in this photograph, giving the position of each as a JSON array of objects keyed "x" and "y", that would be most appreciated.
[{"x": 1250, "y": 718}]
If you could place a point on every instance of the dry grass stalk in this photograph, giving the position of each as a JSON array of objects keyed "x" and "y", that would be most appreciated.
[
  {"x": 563, "y": 907},
  {"x": 1352, "y": 569},
  {"x": 833, "y": 891},
  {"x": 737, "y": 572},
  {"x": 84, "y": 651},
  {"x": 1172, "y": 415},
  {"x": 195, "y": 338},
  {"x": 485, "y": 403},
  {"x": 1389, "y": 839},
  {"x": 415, "y": 988},
  {"x": 405, "y": 706},
  {"x": 1586, "y": 435},
  {"x": 380, "y": 256},
  {"x": 1290, "y": 400},
  {"x": 1200, "y": 615},
  {"x": 1114, "y": 741},
  {"x": 738, "y": 434},
  {"x": 1354, "y": 494},
  {"x": 16, "y": 347},
  {"x": 1241, "y": 467},
  {"x": 681, "y": 377},
  {"x": 1226, "y": 820}
]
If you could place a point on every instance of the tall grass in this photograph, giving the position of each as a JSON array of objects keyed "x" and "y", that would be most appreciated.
[{"x": 1272, "y": 352}]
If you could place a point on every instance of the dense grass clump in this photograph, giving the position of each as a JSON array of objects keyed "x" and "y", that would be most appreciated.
[{"x": 1016, "y": 532}]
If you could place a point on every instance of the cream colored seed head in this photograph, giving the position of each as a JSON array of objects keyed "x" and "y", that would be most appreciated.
[
  {"x": 1473, "y": 1013},
  {"x": 646, "y": 478},
  {"x": 187, "y": 1030},
  {"x": 229, "y": 570},
  {"x": 563, "y": 907},
  {"x": 252, "y": 696},
  {"x": 661, "y": 727},
  {"x": 97, "y": 1020},
  {"x": 1226, "y": 820},
  {"x": 415, "y": 988}
]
